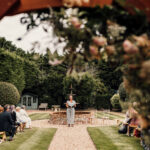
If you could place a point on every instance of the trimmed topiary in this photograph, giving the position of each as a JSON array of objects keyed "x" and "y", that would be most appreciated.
[
  {"x": 8, "y": 94},
  {"x": 115, "y": 101}
]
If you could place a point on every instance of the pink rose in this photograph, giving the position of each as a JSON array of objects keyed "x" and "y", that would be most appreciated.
[
  {"x": 75, "y": 22},
  {"x": 93, "y": 50},
  {"x": 129, "y": 47},
  {"x": 100, "y": 41},
  {"x": 55, "y": 62}
]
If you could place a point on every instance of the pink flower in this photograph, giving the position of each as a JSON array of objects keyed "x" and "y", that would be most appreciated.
[
  {"x": 129, "y": 47},
  {"x": 55, "y": 62},
  {"x": 100, "y": 41},
  {"x": 86, "y": 1},
  {"x": 93, "y": 50},
  {"x": 142, "y": 40},
  {"x": 110, "y": 50},
  {"x": 78, "y": 2},
  {"x": 75, "y": 22}
]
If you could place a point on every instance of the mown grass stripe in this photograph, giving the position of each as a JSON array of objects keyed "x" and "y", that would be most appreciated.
[
  {"x": 111, "y": 116},
  {"x": 45, "y": 139},
  {"x": 30, "y": 142},
  {"x": 39, "y": 116},
  {"x": 101, "y": 141},
  {"x": 40, "y": 140},
  {"x": 20, "y": 138},
  {"x": 122, "y": 142}
]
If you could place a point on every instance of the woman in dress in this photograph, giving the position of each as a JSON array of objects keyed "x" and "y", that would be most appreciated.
[
  {"x": 71, "y": 104},
  {"x": 21, "y": 120},
  {"x": 25, "y": 116}
]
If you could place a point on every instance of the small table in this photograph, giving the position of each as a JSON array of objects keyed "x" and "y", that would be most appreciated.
[{"x": 56, "y": 108}]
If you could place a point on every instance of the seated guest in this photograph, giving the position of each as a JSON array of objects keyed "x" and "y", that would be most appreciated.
[
  {"x": 13, "y": 115},
  {"x": 134, "y": 123},
  {"x": 124, "y": 125},
  {"x": 21, "y": 120},
  {"x": 6, "y": 123},
  {"x": 25, "y": 116},
  {"x": 1, "y": 110}
]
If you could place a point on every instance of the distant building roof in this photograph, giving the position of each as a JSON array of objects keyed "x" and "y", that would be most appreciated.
[{"x": 28, "y": 93}]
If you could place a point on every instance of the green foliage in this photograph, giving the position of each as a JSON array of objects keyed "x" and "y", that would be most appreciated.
[
  {"x": 122, "y": 92},
  {"x": 11, "y": 69},
  {"x": 101, "y": 96},
  {"x": 7, "y": 45},
  {"x": 8, "y": 94},
  {"x": 32, "y": 74},
  {"x": 115, "y": 101},
  {"x": 102, "y": 101},
  {"x": 89, "y": 91},
  {"x": 83, "y": 85},
  {"x": 110, "y": 74}
]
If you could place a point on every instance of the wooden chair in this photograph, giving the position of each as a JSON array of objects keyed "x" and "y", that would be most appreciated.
[
  {"x": 3, "y": 136},
  {"x": 43, "y": 106}
]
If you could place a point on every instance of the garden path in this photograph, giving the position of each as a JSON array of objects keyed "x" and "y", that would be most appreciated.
[{"x": 70, "y": 138}]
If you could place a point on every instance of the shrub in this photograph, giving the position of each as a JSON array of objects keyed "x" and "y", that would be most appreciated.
[
  {"x": 122, "y": 92},
  {"x": 83, "y": 87},
  {"x": 115, "y": 101},
  {"x": 102, "y": 101},
  {"x": 31, "y": 72},
  {"x": 8, "y": 94},
  {"x": 11, "y": 69}
]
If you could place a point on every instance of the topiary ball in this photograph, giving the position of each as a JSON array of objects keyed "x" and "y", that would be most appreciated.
[{"x": 8, "y": 94}]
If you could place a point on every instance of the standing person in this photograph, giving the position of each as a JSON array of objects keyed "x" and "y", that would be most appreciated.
[
  {"x": 71, "y": 104},
  {"x": 6, "y": 123}
]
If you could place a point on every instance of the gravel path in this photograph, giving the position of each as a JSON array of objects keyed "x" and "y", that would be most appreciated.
[
  {"x": 76, "y": 138},
  {"x": 71, "y": 138}
]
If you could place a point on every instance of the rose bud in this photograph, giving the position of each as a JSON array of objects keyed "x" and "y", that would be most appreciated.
[
  {"x": 145, "y": 71},
  {"x": 100, "y": 41},
  {"x": 75, "y": 22},
  {"x": 126, "y": 58},
  {"x": 141, "y": 40},
  {"x": 55, "y": 62},
  {"x": 68, "y": 3},
  {"x": 86, "y": 1},
  {"x": 129, "y": 47},
  {"x": 110, "y": 50},
  {"x": 133, "y": 66},
  {"x": 93, "y": 50},
  {"x": 78, "y": 2}
]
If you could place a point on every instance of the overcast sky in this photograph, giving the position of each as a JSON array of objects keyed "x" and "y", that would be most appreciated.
[{"x": 12, "y": 29}]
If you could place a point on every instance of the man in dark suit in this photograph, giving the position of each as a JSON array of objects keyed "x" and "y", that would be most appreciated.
[{"x": 6, "y": 123}]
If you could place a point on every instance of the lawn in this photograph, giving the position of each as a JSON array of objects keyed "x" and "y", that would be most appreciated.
[
  {"x": 39, "y": 116},
  {"x": 110, "y": 115},
  {"x": 31, "y": 139},
  {"x": 107, "y": 138}
]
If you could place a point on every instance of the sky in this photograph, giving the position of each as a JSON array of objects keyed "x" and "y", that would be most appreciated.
[{"x": 12, "y": 29}]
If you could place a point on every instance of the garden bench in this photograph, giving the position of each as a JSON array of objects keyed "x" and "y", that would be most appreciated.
[
  {"x": 3, "y": 136},
  {"x": 43, "y": 106}
]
